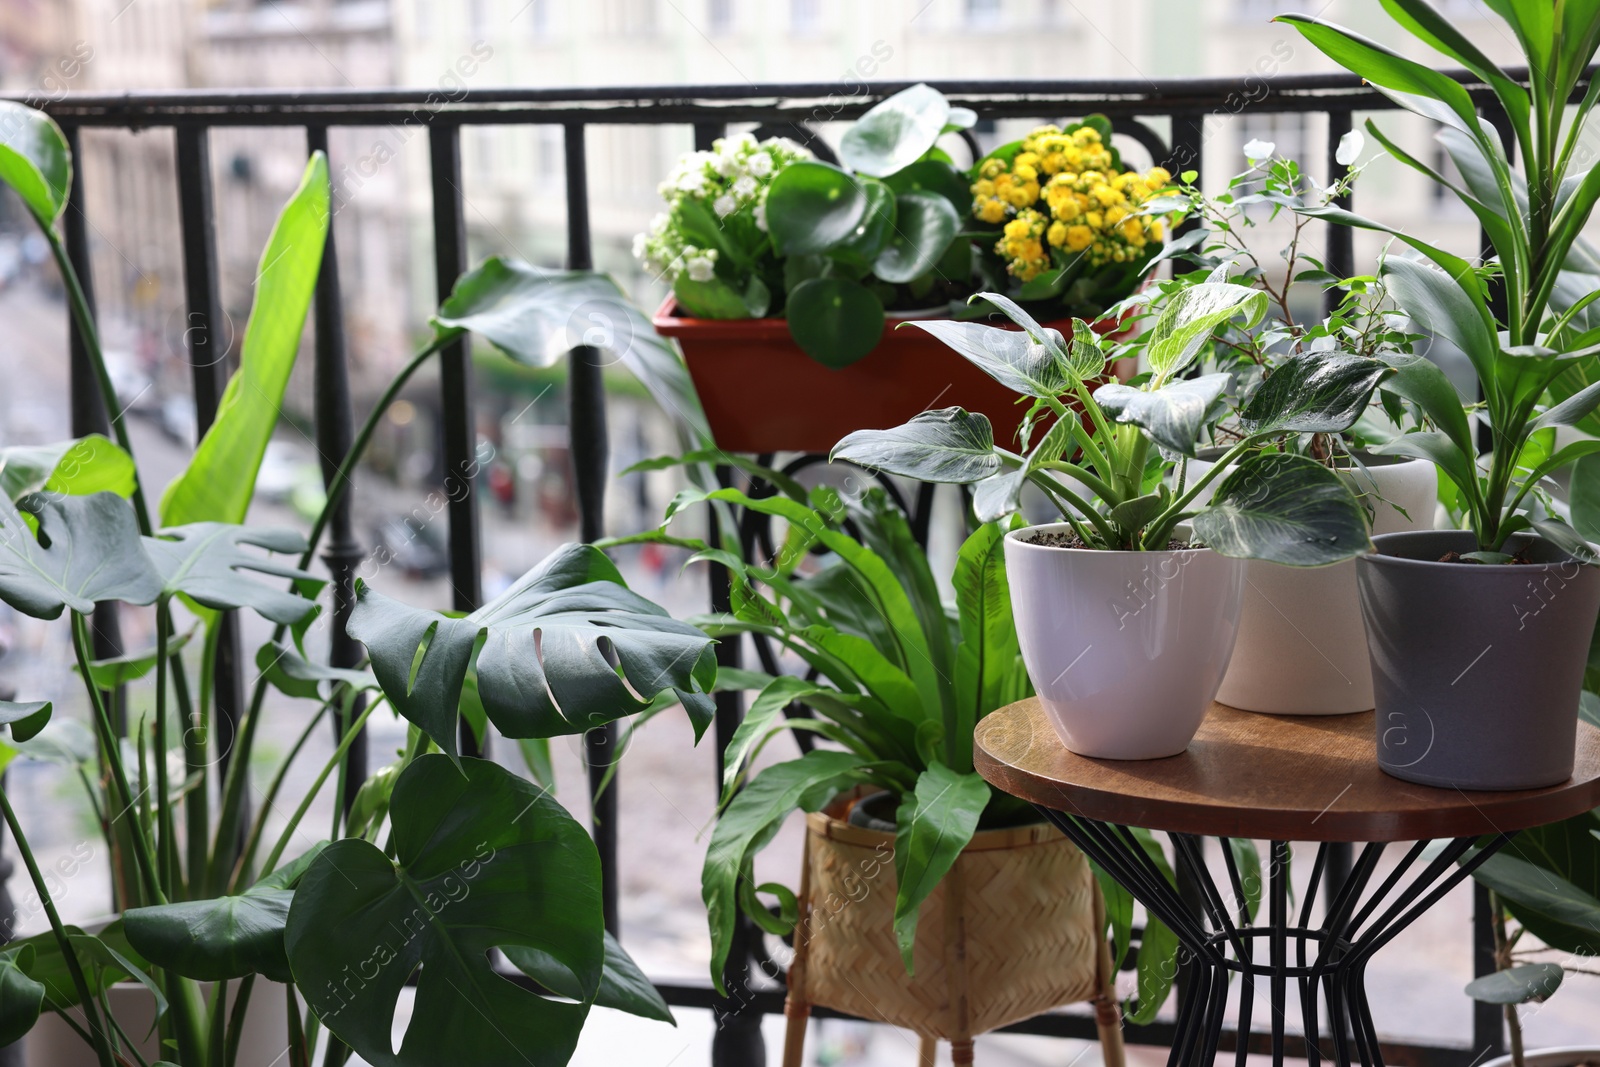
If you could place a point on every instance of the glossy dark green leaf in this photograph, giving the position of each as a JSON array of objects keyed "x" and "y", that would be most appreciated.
[
  {"x": 987, "y": 655},
  {"x": 946, "y": 445},
  {"x": 711, "y": 299},
  {"x": 87, "y": 550},
  {"x": 81, "y": 467},
  {"x": 1172, "y": 415},
  {"x": 1585, "y": 497},
  {"x": 1523, "y": 984},
  {"x": 811, "y": 207},
  {"x": 293, "y": 674},
  {"x": 26, "y": 718},
  {"x": 749, "y": 823},
  {"x": 1549, "y": 879},
  {"x": 1284, "y": 508},
  {"x": 21, "y": 997},
  {"x": 208, "y": 562},
  {"x": 35, "y": 160},
  {"x": 535, "y": 316},
  {"x": 1032, "y": 361},
  {"x": 1439, "y": 450},
  {"x": 1314, "y": 392},
  {"x": 1441, "y": 306},
  {"x": 933, "y": 176},
  {"x": 49, "y": 966},
  {"x": 1420, "y": 381},
  {"x": 114, "y": 671},
  {"x": 540, "y": 652},
  {"x": 220, "y": 479},
  {"x": 1158, "y": 948},
  {"x": 483, "y": 859},
  {"x": 623, "y": 985},
  {"x": 877, "y": 227},
  {"x": 896, "y": 132},
  {"x": 925, "y": 224},
  {"x": 224, "y": 937},
  {"x": 834, "y": 320},
  {"x": 932, "y": 826}
]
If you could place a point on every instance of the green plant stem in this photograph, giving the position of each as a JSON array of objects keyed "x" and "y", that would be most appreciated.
[
  {"x": 102, "y": 1047},
  {"x": 216, "y": 1028},
  {"x": 271, "y": 862},
  {"x": 110, "y": 742},
  {"x": 91, "y": 342},
  {"x": 1087, "y": 509},
  {"x": 233, "y": 782},
  {"x": 299, "y": 1054},
  {"x": 124, "y": 1042},
  {"x": 196, "y": 803},
  {"x": 166, "y": 838},
  {"x": 1095, "y": 485},
  {"x": 236, "y": 1018},
  {"x": 242, "y": 868},
  {"x": 1502, "y": 961}
]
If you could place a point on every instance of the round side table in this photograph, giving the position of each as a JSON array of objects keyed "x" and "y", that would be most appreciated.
[{"x": 1280, "y": 779}]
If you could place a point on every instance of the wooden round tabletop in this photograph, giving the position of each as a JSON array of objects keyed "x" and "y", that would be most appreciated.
[{"x": 1282, "y": 778}]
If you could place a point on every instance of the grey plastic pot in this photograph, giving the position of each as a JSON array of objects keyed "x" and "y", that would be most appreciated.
[{"x": 1476, "y": 668}]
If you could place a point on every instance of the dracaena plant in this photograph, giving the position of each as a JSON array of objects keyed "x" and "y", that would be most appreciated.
[
  {"x": 206, "y": 893},
  {"x": 1111, "y": 456},
  {"x": 1521, "y": 319}
]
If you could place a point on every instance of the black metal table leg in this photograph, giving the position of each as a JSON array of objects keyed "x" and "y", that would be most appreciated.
[{"x": 1326, "y": 960}]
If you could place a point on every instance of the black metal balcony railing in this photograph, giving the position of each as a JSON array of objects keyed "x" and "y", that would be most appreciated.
[{"x": 1138, "y": 108}]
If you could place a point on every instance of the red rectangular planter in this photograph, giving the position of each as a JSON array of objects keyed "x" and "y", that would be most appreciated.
[{"x": 761, "y": 393}]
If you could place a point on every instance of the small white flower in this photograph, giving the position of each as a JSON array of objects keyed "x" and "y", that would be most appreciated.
[
  {"x": 659, "y": 223},
  {"x": 639, "y": 240},
  {"x": 745, "y": 187},
  {"x": 1256, "y": 150},
  {"x": 761, "y": 217},
  {"x": 724, "y": 205},
  {"x": 760, "y": 164},
  {"x": 701, "y": 269},
  {"x": 691, "y": 183},
  {"x": 726, "y": 165}
]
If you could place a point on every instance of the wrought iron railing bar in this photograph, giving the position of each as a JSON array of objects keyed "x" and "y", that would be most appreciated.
[
  {"x": 590, "y": 451},
  {"x": 459, "y": 428},
  {"x": 333, "y": 424},
  {"x": 206, "y": 349}
]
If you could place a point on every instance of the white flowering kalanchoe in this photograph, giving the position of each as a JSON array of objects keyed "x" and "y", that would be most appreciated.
[{"x": 729, "y": 182}]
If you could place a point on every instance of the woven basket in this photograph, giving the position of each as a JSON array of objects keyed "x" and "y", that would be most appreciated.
[{"x": 1015, "y": 929}]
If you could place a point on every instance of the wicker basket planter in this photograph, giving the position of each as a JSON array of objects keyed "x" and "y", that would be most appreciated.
[
  {"x": 736, "y": 362},
  {"x": 1015, "y": 929}
]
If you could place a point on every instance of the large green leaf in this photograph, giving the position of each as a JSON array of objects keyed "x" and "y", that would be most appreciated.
[
  {"x": 1420, "y": 381},
  {"x": 934, "y": 176},
  {"x": 21, "y": 997},
  {"x": 1188, "y": 320},
  {"x": 925, "y": 224},
  {"x": 1549, "y": 878},
  {"x": 208, "y": 563},
  {"x": 932, "y": 826},
  {"x": 947, "y": 445},
  {"x": 87, "y": 550},
  {"x": 811, "y": 207},
  {"x": 1444, "y": 308},
  {"x": 482, "y": 860},
  {"x": 541, "y": 653},
  {"x": 1031, "y": 361},
  {"x": 1315, "y": 392},
  {"x": 1517, "y": 985},
  {"x": 101, "y": 968},
  {"x": 79, "y": 467},
  {"x": 896, "y": 132},
  {"x": 35, "y": 160},
  {"x": 988, "y": 652},
  {"x": 1172, "y": 415},
  {"x": 623, "y": 985},
  {"x": 535, "y": 316},
  {"x": 220, "y": 479},
  {"x": 25, "y": 718},
  {"x": 224, "y": 937},
  {"x": 1438, "y": 449},
  {"x": 1158, "y": 951},
  {"x": 751, "y": 820},
  {"x": 835, "y": 321},
  {"x": 1284, "y": 508}
]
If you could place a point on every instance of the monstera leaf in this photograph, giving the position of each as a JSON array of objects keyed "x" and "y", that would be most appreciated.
[
  {"x": 21, "y": 998},
  {"x": 482, "y": 860},
  {"x": 568, "y": 647},
  {"x": 206, "y": 562},
  {"x": 535, "y": 316},
  {"x": 87, "y": 550},
  {"x": 225, "y": 937}
]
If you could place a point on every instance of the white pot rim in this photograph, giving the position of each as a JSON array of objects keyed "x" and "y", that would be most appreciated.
[
  {"x": 1015, "y": 536},
  {"x": 1550, "y": 1056}
]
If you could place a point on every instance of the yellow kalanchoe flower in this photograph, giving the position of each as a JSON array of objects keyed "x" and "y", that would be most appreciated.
[{"x": 1060, "y": 190}]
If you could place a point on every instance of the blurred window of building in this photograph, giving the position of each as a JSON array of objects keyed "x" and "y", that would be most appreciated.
[
  {"x": 630, "y": 18},
  {"x": 984, "y": 14},
  {"x": 719, "y": 16},
  {"x": 805, "y": 17}
]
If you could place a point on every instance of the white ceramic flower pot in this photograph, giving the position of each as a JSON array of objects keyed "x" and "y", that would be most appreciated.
[
  {"x": 1551, "y": 1057},
  {"x": 1125, "y": 649},
  {"x": 1302, "y": 647},
  {"x": 263, "y": 1044}
]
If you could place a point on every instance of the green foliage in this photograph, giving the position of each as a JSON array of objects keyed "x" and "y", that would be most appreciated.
[
  {"x": 87, "y": 550},
  {"x": 35, "y": 161},
  {"x": 79, "y": 467},
  {"x": 1095, "y": 460},
  {"x": 220, "y": 479}
]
